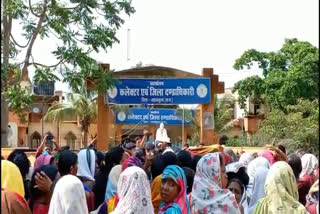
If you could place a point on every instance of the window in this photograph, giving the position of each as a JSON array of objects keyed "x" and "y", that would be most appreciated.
[
  {"x": 35, "y": 140},
  {"x": 256, "y": 109},
  {"x": 44, "y": 88},
  {"x": 71, "y": 140}
]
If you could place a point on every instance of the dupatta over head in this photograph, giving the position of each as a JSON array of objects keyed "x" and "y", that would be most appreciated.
[
  {"x": 181, "y": 202},
  {"x": 11, "y": 178},
  {"x": 134, "y": 192},
  {"x": 281, "y": 192},
  {"x": 68, "y": 197},
  {"x": 207, "y": 195}
]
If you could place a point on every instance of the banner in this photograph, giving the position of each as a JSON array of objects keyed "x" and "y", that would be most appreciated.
[
  {"x": 150, "y": 116},
  {"x": 160, "y": 91}
]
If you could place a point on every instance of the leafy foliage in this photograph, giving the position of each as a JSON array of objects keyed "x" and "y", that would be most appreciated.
[
  {"x": 299, "y": 123},
  {"x": 81, "y": 106},
  {"x": 223, "y": 111},
  {"x": 289, "y": 74},
  {"x": 237, "y": 142},
  {"x": 19, "y": 100},
  {"x": 80, "y": 28}
]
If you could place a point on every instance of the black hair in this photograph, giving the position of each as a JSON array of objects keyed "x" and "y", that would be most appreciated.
[
  {"x": 161, "y": 161},
  {"x": 295, "y": 163},
  {"x": 100, "y": 159},
  {"x": 66, "y": 159},
  {"x": 223, "y": 139},
  {"x": 187, "y": 145},
  {"x": 195, "y": 161},
  {"x": 190, "y": 177},
  {"x": 111, "y": 158},
  {"x": 184, "y": 158},
  {"x": 169, "y": 158},
  {"x": 51, "y": 171},
  {"x": 157, "y": 166},
  {"x": 2, "y": 158},
  {"x": 282, "y": 148},
  {"x": 20, "y": 159},
  {"x": 65, "y": 148},
  {"x": 240, "y": 175},
  {"x": 236, "y": 180}
]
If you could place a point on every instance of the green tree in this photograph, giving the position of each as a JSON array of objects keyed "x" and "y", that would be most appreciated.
[
  {"x": 288, "y": 75},
  {"x": 81, "y": 106},
  {"x": 223, "y": 113},
  {"x": 80, "y": 28},
  {"x": 300, "y": 123}
]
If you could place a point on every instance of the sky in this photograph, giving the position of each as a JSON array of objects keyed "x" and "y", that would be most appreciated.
[{"x": 193, "y": 34}]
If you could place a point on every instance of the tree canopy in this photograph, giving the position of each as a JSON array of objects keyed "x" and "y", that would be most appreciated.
[
  {"x": 81, "y": 106},
  {"x": 78, "y": 27},
  {"x": 289, "y": 74}
]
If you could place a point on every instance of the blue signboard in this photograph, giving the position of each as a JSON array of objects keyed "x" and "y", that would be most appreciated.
[
  {"x": 150, "y": 116},
  {"x": 160, "y": 91}
]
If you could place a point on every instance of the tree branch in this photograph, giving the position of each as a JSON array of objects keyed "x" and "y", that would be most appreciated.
[
  {"x": 16, "y": 43},
  {"x": 31, "y": 10},
  {"x": 34, "y": 36},
  {"x": 47, "y": 66},
  {"x": 71, "y": 8}
]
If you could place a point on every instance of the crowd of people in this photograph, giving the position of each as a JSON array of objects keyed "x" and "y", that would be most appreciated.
[{"x": 139, "y": 177}]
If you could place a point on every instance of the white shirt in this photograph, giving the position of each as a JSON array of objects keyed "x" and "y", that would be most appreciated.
[{"x": 168, "y": 149}]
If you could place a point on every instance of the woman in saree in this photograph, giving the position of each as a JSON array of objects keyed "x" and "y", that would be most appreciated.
[
  {"x": 281, "y": 192},
  {"x": 209, "y": 193},
  {"x": 174, "y": 191}
]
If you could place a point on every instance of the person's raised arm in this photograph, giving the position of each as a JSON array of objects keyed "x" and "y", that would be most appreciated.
[
  {"x": 41, "y": 147},
  {"x": 56, "y": 144}
]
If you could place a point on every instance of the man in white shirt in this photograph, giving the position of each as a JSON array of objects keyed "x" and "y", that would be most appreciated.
[{"x": 165, "y": 145}]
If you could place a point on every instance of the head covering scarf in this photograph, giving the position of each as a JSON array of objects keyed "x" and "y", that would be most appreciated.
[
  {"x": 43, "y": 160},
  {"x": 207, "y": 195},
  {"x": 273, "y": 154},
  {"x": 134, "y": 192},
  {"x": 155, "y": 192},
  {"x": 112, "y": 184},
  {"x": 253, "y": 165},
  {"x": 281, "y": 192},
  {"x": 181, "y": 202},
  {"x": 11, "y": 178},
  {"x": 234, "y": 167},
  {"x": 269, "y": 156},
  {"x": 86, "y": 164},
  {"x": 132, "y": 161},
  {"x": 68, "y": 197},
  {"x": 13, "y": 203},
  {"x": 245, "y": 159},
  {"x": 237, "y": 170},
  {"x": 258, "y": 187},
  {"x": 309, "y": 164}
]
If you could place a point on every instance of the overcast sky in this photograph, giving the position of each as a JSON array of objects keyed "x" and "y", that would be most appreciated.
[{"x": 192, "y": 34}]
